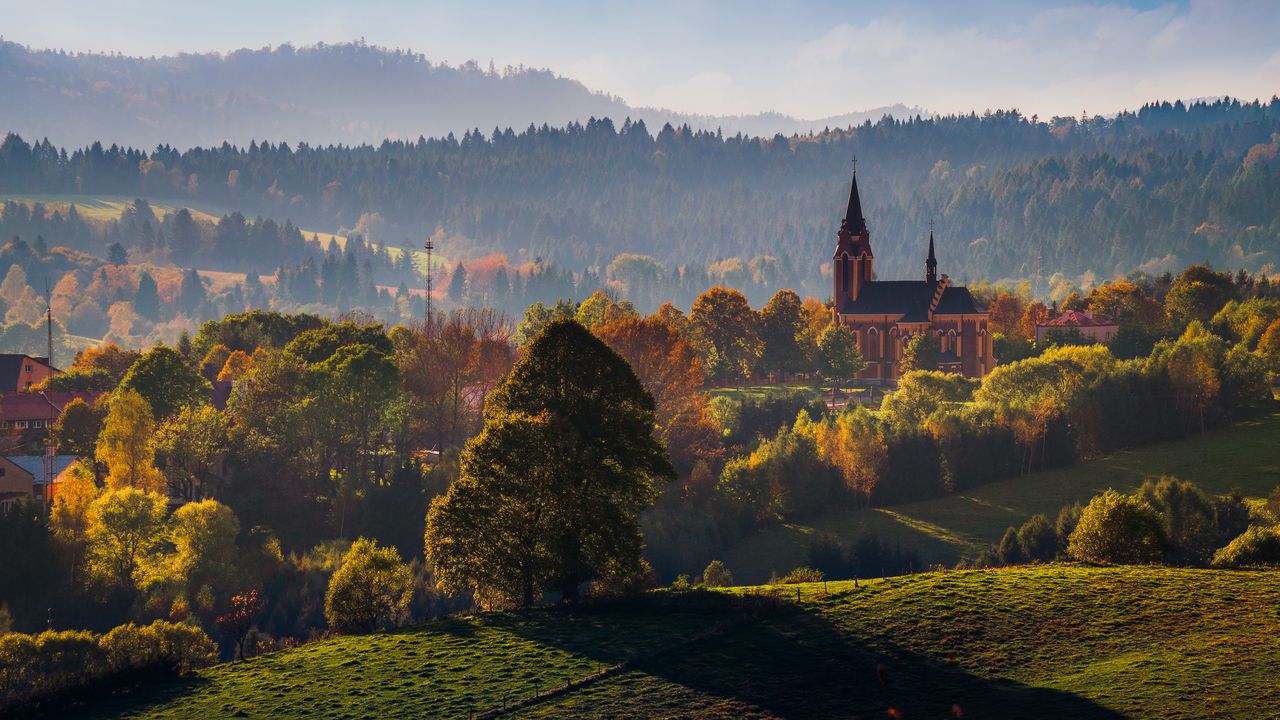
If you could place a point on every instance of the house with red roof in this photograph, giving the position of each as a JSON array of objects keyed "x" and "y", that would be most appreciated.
[
  {"x": 25, "y": 417},
  {"x": 1091, "y": 327}
]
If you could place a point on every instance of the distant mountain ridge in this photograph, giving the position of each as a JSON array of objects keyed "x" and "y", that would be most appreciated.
[{"x": 348, "y": 93}]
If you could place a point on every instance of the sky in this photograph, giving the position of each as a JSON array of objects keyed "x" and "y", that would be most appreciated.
[{"x": 807, "y": 59}]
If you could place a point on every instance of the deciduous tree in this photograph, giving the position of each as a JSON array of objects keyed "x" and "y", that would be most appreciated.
[
  {"x": 126, "y": 444},
  {"x": 370, "y": 590}
]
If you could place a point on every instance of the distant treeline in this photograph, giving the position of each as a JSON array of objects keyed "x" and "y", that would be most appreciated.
[{"x": 1013, "y": 197}]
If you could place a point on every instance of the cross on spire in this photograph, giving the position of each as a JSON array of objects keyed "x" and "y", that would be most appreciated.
[{"x": 855, "y": 163}]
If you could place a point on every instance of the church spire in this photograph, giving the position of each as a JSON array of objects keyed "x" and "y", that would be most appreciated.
[
  {"x": 931, "y": 264},
  {"x": 854, "y": 223}
]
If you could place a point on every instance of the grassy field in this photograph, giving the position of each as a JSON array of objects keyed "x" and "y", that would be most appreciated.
[
  {"x": 946, "y": 530},
  {"x": 1059, "y": 641}
]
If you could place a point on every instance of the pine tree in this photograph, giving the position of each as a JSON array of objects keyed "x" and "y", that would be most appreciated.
[
  {"x": 147, "y": 300},
  {"x": 458, "y": 284}
]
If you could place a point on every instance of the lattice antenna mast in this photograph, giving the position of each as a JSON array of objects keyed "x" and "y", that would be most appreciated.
[
  {"x": 49, "y": 452},
  {"x": 48, "y": 312},
  {"x": 429, "y": 247}
]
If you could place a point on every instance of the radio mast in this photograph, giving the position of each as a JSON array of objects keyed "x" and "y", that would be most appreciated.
[{"x": 429, "y": 246}]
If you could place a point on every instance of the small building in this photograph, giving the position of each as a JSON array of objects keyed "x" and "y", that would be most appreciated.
[
  {"x": 24, "y": 477},
  {"x": 20, "y": 372},
  {"x": 1082, "y": 321},
  {"x": 25, "y": 417}
]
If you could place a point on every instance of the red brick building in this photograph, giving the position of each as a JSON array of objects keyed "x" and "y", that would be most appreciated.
[{"x": 885, "y": 314}]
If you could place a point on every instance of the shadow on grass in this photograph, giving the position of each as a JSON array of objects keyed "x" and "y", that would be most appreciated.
[
  {"x": 798, "y": 664},
  {"x": 104, "y": 702}
]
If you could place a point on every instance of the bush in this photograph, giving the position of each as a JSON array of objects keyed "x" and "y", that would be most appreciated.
[
  {"x": 1008, "y": 551},
  {"x": 371, "y": 589},
  {"x": 40, "y": 667},
  {"x": 801, "y": 575},
  {"x": 1118, "y": 529},
  {"x": 1037, "y": 539},
  {"x": 1068, "y": 518},
  {"x": 1190, "y": 519},
  {"x": 1255, "y": 546},
  {"x": 717, "y": 575}
]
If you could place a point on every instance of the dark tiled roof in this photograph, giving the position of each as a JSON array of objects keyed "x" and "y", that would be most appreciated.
[
  {"x": 956, "y": 300},
  {"x": 10, "y": 367},
  {"x": 910, "y": 299},
  {"x": 890, "y": 297}
]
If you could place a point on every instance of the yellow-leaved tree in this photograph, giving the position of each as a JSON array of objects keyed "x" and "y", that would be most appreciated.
[{"x": 126, "y": 444}]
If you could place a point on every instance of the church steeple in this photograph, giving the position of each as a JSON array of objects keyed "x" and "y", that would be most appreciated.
[
  {"x": 931, "y": 264},
  {"x": 854, "y": 223},
  {"x": 853, "y": 260}
]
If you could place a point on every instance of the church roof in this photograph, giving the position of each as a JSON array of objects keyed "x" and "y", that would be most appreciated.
[{"x": 910, "y": 299}]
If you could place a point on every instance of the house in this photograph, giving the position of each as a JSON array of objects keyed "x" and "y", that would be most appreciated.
[
  {"x": 25, "y": 477},
  {"x": 1081, "y": 321},
  {"x": 20, "y": 372},
  {"x": 25, "y": 417},
  {"x": 885, "y": 314}
]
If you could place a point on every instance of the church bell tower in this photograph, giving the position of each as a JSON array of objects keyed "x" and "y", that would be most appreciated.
[{"x": 853, "y": 259}]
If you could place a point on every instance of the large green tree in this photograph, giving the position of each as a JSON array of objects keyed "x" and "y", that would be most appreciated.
[
  {"x": 167, "y": 381},
  {"x": 781, "y": 324},
  {"x": 606, "y": 466},
  {"x": 838, "y": 356},
  {"x": 726, "y": 326}
]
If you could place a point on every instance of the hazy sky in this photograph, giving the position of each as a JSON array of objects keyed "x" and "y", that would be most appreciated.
[{"x": 809, "y": 59}]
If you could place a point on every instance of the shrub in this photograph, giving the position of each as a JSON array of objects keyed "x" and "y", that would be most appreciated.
[
  {"x": 40, "y": 667},
  {"x": 717, "y": 575},
  {"x": 801, "y": 575},
  {"x": 1009, "y": 552},
  {"x": 1118, "y": 529},
  {"x": 371, "y": 589},
  {"x": 1068, "y": 518},
  {"x": 1255, "y": 546},
  {"x": 1037, "y": 539},
  {"x": 1190, "y": 519}
]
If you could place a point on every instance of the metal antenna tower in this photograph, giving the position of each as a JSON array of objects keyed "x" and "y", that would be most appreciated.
[{"x": 429, "y": 247}]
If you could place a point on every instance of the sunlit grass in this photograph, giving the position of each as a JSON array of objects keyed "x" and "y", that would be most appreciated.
[
  {"x": 947, "y": 530},
  {"x": 1042, "y": 641}
]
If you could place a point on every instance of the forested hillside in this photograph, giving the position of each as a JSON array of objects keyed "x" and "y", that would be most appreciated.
[
  {"x": 348, "y": 93},
  {"x": 1013, "y": 197}
]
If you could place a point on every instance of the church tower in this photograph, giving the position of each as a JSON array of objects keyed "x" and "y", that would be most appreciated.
[
  {"x": 931, "y": 264},
  {"x": 853, "y": 259}
]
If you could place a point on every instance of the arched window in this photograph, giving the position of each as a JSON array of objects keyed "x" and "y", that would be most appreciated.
[
  {"x": 873, "y": 343},
  {"x": 950, "y": 345},
  {"x": 844, "y": 273}
]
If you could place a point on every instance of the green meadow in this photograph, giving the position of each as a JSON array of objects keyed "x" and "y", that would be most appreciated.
[
  {"x": 954, "y": 528},
  {"x": 1060, "y": 641}
]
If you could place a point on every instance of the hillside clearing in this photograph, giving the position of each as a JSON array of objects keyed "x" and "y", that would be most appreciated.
[
  {"x": 947, "y": 530},
  {"x": 1040, "y": 641},
  {"x": 101, "y": 209}
]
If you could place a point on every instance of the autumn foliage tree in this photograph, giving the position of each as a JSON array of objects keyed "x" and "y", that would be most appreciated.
[
  {"x": 237, "y": 622},
  {"x": 126, "y": 445},
  {"x": 671, "y": 370}
]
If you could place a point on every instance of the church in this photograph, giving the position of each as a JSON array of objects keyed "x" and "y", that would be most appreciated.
[{"x": 885, "y": 314}]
